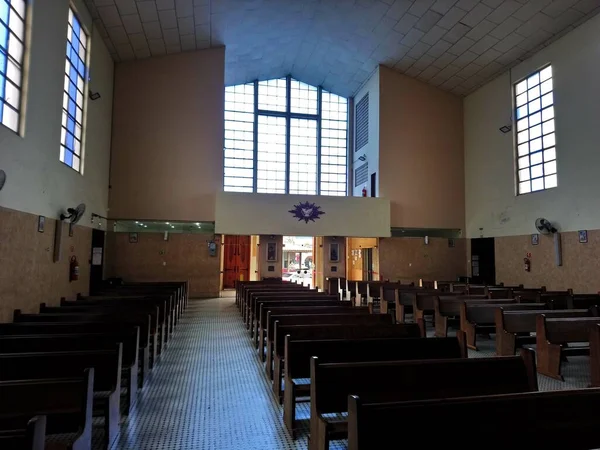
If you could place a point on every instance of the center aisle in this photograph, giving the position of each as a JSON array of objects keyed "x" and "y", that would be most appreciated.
[{"x": 209, "y": 390}]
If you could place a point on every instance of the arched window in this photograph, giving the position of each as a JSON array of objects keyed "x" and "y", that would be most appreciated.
[{"x": 283, "y": 136}]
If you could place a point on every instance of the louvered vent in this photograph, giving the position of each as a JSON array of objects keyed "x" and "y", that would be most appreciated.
[
  {"x": 362, "y": 122},
  {"x": 361, "y": 174}
]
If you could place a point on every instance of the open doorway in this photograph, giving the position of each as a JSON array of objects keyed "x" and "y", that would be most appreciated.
[{"x": 298, "y": 259}]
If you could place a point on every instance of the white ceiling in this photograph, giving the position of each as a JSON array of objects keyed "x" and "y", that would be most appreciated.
[{"x": 455, "y": 44}]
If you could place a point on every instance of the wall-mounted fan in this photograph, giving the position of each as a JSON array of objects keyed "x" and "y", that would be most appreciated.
[
  {"x": 2, "y": 178},
  {"x": 74, "y": 215},
  {"x": 544, "y": 226}
]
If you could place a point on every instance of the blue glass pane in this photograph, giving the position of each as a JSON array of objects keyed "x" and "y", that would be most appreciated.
[
  {"x": 70, "y": 142},
  {"x": 69, "y": 48},
  {"x": 4, "y": 9},
  {"x": 73, "y": 56},
  {"x": 81, "y": 69},
  {"x": 72, "y": 90},
  {"x": 3, "y": 63},
  {"x": 1, "y": 110},
  {"x": 2, "y": 85},
  {"x": 73, "y": 74},
  {"x": 68, "y": 158},
  {"x": 71, "y": 125},
  {"x": 71, "y": 107},
  {"x": 3, "y": 36},
  {"x": 76, "y": 27}
]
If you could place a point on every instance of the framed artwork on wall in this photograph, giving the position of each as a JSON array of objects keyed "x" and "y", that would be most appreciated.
[
  {"x": 133, "y": 238},
  {"x": 271, "y": 251},
  {"x": 535, "y": 239},
  {"x": 583, "y": 237},
  {"x": 334, "y": 252},
  {"x": 451, "y": 243},
  {"x": 41, "y": 223}
]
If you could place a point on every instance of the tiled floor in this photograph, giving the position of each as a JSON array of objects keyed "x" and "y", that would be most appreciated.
[{"x": 209, "y": 390}]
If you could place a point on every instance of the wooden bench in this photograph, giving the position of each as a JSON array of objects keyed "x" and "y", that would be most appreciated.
[
  {"x": 258, "y": 301},
  {"x": 66, "y": 403},
  {"x": 500, "y": 292},
  {"x": 355, "y": 318},
  {"x": 289, "y": 293},
  {"x": 332, "y": 383},
  {"x": 447, "y": 307},
  {"x": 139, "y": 319},
  {"x": 387, "y": 296},
  {"x": 255, "y": 292},
  {"x": 264, "y": 306},
  {"x": 551, "y": 336},
  {"x": 317, "y": 332},
  {"x": 300, "y": 354},
  {"x": 556, "y": 420},
  {"x": 30, "y": 436},
  {"x": 241, "y": 286},
  {"x": 56, "y": 365},
  {"x": 478, "y": 317},
  {"x": 595, "y": 356},
  {"x": 514, "y": 328},
  {"x": 85, "y": 342},
  {"x": 579, "y": 301},
  {"x": 57, "y": 328}
]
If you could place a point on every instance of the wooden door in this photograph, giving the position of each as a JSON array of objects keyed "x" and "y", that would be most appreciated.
[{"x": 237, "y": 260}]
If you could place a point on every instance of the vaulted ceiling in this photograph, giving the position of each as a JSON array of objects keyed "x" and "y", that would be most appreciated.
[{"x": 457, "y": 45}]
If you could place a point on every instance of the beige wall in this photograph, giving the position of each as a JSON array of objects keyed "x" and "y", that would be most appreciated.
[
  {"x": 371, "y": 149},
  {"x": 28, "y": 275},
  {"x": 581, "y": 262},
  {"x": 490, "y": 166},
  {"x": 37, "y": 182},
  {"x": 421, "y": 153},
  {"x": 167, "y": 160},
  {"x": 263, "y": 264},
  {"x": 409, "y": 259},
  {"x": 182, "y": 257}
]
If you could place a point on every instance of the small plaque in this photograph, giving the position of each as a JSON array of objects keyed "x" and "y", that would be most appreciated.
[
  {"x": 271, "y": 269},
  {"x": 334, "y": 268}
]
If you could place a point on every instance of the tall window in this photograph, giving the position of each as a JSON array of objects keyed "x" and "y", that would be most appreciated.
[
  {"x": 74, "y": 95},
  {"x": 285, "y": 136},
  {"x": 536, "y": 151},
  {"x": 12, "y": 51}
]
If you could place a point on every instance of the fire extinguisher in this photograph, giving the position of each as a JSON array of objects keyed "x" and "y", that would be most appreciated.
[
  {"x": 527, "y": 264},
  {"x": 74, "y": 269},
  {"x": 364, "y": 191}
]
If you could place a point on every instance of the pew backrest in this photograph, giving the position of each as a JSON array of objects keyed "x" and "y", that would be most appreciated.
[{"x": 525, "y": 321}]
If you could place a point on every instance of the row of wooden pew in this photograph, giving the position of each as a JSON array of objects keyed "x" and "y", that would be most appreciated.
[
  {"x": 83, "y": 359},
  {"x": 363, "y": 370}
]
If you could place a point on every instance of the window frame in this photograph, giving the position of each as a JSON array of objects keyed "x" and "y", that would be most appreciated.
[
  {"x": 516, "y": 131},
  {"x": 66, "y": 96},
  {"x": 289, "y": 116},
  {"x": 22, "y": 66}
]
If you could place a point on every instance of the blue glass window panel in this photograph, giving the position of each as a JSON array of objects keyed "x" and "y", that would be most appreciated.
[
  {"x": 69, "y": 48},
  {"x": 2, "y": 86},
  {"x": 4, "y": 10},
  {"x": 76, "y": 27},
  {"x": 72, "y": 107},
  {"x": 68, "y": 158},
  {"x": 70, "y": 141},
  {"x": 3, "y": 63},
  {"x": 71, "y": 125},
  {"x": 3, "y": 36},
  {"x": 73, "y": 74},
  {"x": 82, "y": 68},
  {"x": 73, "y": 56},
  {"x": 72, "y": 90}
]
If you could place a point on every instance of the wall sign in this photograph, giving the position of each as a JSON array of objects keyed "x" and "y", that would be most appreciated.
[{"x": 307, "y": 211}]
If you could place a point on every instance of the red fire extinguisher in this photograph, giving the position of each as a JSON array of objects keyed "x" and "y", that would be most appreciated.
[
  {"x": 74, "y": 269},
  {"x": 527, "y": 263},
  {"x": 364, "y": 192}
]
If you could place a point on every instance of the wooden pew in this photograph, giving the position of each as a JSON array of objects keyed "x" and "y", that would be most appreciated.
[
  {"x": 595, "y": 356},
  {"x": 85, "y": 342},
  {"x": 133, "y": 317},
  {"x": 579, "y": 301},
  {"x": 274, "y": 295},
  {"x": 56, "y": 365},
  {"x": 58, "y": 328},
  {"x": 369, "y": 290},
  {"x": 446, "y": 307},
  {"x": 481, "y": 317},
  {"x": 265, "y": 306},
  {"x": 387, "y": 296},
  {"x": 259, "y": 300},
  {"x": 267, "y": 330},
  {"x": 32, "y": 436},
  {"x": 357, "y": 318},
  {"x": 551, "y": 336},
  {"x": 298, "y": 356},
  {"x": 555, "y": 420},
  {"x": 66, "y": 403},
  {"x": 500, "y": 292},
  {"x": 405, "y": 301},
  {"x": 513, "y": 328},
  {"x": 254, "y": 292},
  {"x": 529, "y": 295},
  {"x": 332, "y": 383},
  {"x": 423, "y": 303},
  {"x": 319, "y": 332},
  {"x": 241, "y": 286}
]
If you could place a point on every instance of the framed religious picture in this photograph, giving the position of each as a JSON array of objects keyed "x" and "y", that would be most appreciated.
[
  {"x": 583, "y": 237},
  {"x": 133, "y": 238},
  {"x": 271, "y": 251},
  {"x": 535, "y": 239},
  {"x": 334, "y": 252}
]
